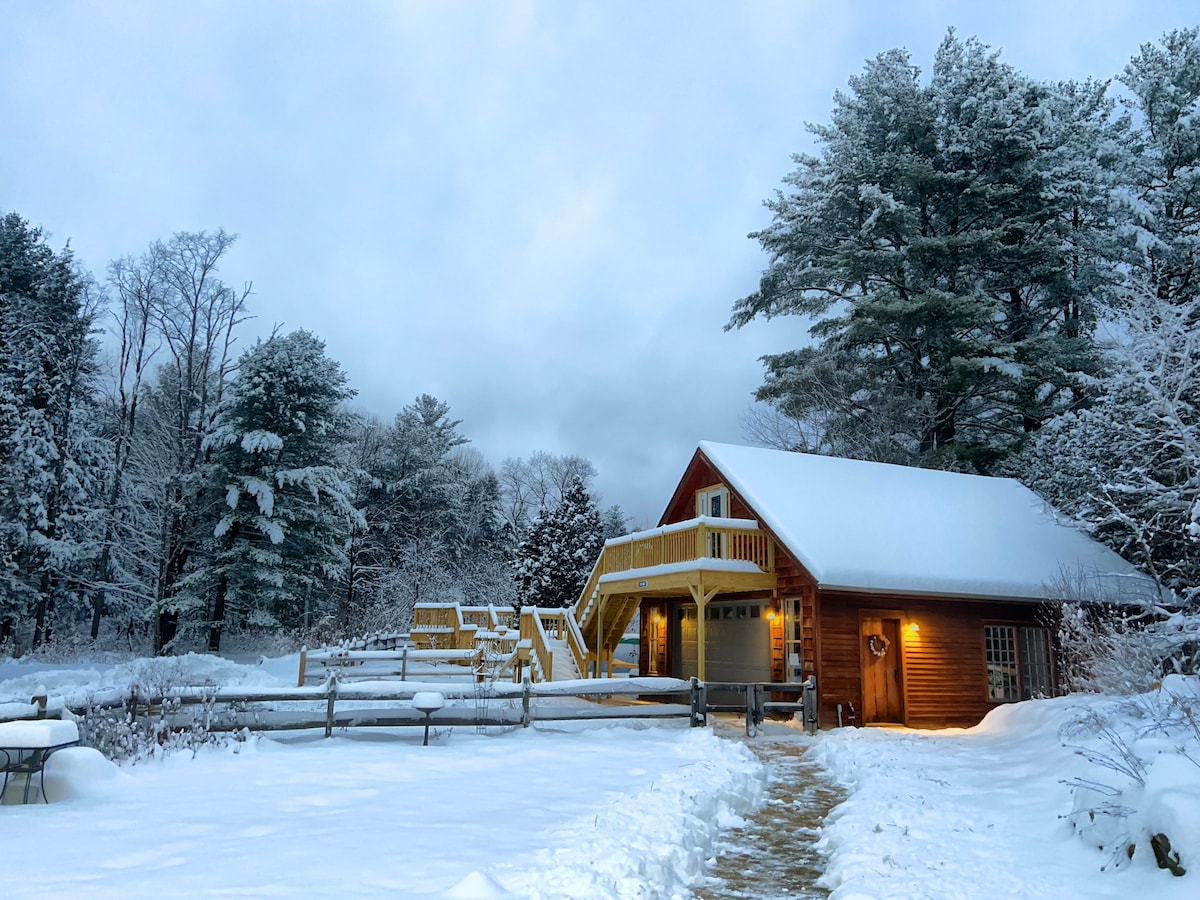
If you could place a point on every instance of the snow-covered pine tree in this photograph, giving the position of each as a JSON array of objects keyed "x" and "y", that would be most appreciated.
[
  {"x": 557, "y": 554},
  {"x": 419, "y": 506},
  {"x": 946, "y": 242},
  {"x": 49, "y": 460},
  {"x": 282, "y": 512},
  {"x": 1164, "y": 81},
  {"x": 1128, "y": 465},
  {"x": 614, "y": 522}
]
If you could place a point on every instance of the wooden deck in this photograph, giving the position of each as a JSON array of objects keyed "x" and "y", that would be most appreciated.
[{"x": 700, "y": 558}]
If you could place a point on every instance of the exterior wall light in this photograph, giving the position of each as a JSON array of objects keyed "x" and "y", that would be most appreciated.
[{"x": 913, "y": 627}]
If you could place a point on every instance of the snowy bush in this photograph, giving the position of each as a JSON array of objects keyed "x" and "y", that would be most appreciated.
[
  {"x": 138, "y": 730},
  {"x": 1145, "y": 794},
  {"x": 1119, "y": 651}
]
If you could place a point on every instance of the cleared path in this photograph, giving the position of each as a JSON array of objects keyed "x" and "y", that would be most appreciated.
[{"x": 774, "y": 854}]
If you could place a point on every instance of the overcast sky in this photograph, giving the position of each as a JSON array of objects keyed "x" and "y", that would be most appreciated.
[{"x": 536, "y": 212}]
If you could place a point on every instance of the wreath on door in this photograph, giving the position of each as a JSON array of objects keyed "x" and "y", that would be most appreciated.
[{"x": 878, "y": 644}]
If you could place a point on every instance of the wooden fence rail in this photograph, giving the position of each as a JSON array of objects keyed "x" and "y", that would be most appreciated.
[{"x": 497, "y": 703}]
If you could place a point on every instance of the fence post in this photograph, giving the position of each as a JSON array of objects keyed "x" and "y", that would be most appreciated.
[
  {"x": 332, "y": 695},
  {"x": 699, "y": 703},
  {"x": 809, "y": 699},
  {"x": 303, "y": 666},
  {"x": 750, "y": 710},
  {"x": 525, "y": 718},
  {"x": 404, "y": 663}
]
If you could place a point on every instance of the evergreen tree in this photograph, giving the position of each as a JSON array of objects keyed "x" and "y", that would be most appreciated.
[
  {"x": 945, "y": 242},
  {"x": 558, "y": 553},
  {"x": 1164, "y": 81},
  {"x": 431, "y": 510},
  {"x": 49, "y": 460},
  {"x": 614, "y": 522},
  {"x": 284, "y": 512},
  {"x": 1128, "y": 464}
]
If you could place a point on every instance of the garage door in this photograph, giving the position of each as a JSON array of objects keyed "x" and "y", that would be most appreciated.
[{"x": 737, "y": 642}]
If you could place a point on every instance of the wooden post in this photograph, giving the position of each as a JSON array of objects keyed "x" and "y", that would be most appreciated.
[
  {"x": 404, "y": 663},
  {"x": 750, "y": 731},
  {"x": 600, "y": 635},
  {"x": 303, "y": 665},
  {"x": 332, "y": 695},
  {"x": 810, "y": 704},
  {"x": 525, "y": 718},
  {"x": 699, "y": 698},
  {"x": 701, "y": 599}
]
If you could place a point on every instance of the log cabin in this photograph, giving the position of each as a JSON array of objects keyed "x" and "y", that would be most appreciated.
[{"x": 916, "y": 597}]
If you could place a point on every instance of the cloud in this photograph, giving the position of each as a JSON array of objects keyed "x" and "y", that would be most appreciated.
[{"x": 535, "y": 211}]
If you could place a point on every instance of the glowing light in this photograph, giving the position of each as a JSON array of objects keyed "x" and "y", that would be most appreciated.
[{"x": 913, "y": 627}]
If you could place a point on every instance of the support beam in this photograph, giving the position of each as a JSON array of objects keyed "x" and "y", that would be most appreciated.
[
  {"x": 702, "y": 599},
  {"x": 600, "y": 601}
]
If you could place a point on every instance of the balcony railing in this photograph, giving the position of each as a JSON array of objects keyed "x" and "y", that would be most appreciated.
[{"x": 735, "y": 539}]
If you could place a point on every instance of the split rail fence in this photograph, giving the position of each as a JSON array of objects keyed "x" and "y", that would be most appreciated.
[{"x": 337, "y": 704}]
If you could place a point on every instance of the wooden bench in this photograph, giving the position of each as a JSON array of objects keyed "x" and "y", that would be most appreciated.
[{"x": 25, "y": 747}]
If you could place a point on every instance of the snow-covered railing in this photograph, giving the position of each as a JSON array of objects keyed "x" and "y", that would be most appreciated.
[
  {"x": 275, "y": 709},
  {"x": 259, "y": 710},
  {"x": 488, "y": 618},
  {"x": 317, "y": 664},
  {"x": 729, "y": 541},
  {"x": 576, "y": 642},
  {"x": 440, "y": 626},
  {"x": 703, "y": 537},
  {"x": 541, "y": 656},
  {"x": 560, "y": 625}
]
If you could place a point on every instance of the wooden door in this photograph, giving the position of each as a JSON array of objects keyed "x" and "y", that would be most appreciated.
[{"x": 883, "y": 693}]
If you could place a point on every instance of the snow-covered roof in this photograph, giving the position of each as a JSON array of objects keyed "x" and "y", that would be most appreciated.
[{"x": 869, "y": 526}]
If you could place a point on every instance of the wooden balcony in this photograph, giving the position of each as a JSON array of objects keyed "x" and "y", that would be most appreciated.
[
  {"x": 699, "y": 558},
  {"x": 734, "y": 554}
]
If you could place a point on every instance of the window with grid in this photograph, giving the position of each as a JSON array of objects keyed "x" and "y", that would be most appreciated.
[
  {"x": 1000, "y": 648},
  {"x": 1018, "y": 662},
  {"x": 1035, "y": 663}
]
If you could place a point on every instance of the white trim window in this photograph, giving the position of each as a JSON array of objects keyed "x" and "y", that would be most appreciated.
[
  {"x": 1018, "y": 662},
  {"x": 713, "y": 502}
]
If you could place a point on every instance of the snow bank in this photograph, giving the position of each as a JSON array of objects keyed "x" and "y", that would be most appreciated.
[
  {"x": 569, "y": 810},
  {"x": 76, "y": 684},
  {"x": 999, "y": 809}
]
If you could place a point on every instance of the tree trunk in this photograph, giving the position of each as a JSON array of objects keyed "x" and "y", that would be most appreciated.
[{"x": 218, "y": 615}]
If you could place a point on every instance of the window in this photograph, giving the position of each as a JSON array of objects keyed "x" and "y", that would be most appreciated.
[
  {"x": 1018, "y": 662},
  {"x": 713, "y": 502}
]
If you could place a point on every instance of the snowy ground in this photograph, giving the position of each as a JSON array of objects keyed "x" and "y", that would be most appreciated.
[
  {"x": 551, "y": 811},
  {"x": 987, "y": 812},
  {"x": 607, "y": 811}
]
